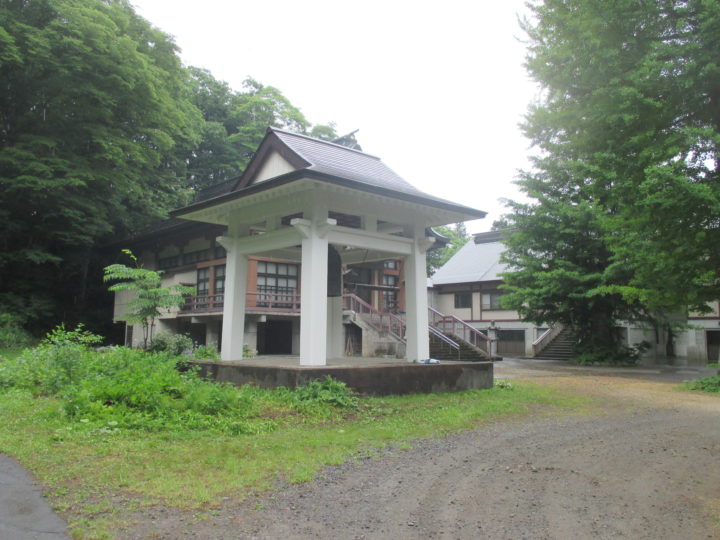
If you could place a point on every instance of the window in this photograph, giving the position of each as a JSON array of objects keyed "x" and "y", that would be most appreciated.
[
  {"x": 220, "y": 279},
  {"x": 491, "y": 300},
  {"x": 390, "y": 297},
  {"x": 390, "y": 265},
  {"x": 463, "y": 299},
  {"x": 168, "y": 262},
  {"x": 203, "y": 281},
  {"x": 210, "y": 286},
  {"x": 202, "y": 287},
  {"x": 196, "y": 256},
  {"x": 279, "y": 280}
]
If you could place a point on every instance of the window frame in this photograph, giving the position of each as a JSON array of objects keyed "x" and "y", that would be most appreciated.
[{"x": 464, "y": 295}]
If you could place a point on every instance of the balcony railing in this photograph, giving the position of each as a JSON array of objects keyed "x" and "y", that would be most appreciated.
[
  {"x": 266, "y": 302},
  {"x": 203, "y": 304}
]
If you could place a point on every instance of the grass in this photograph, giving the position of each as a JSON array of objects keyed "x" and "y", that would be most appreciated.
[
  {"x": 87, "y": 470},
  {"x": 8, "y": 353}
]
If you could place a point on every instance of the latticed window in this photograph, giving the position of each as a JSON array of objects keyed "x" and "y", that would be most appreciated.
[
  {"x": 390, "y": 297},
  {"x": 279, "y": 280},
  {"x": 203, "y": 281},
  {"x": 220, "y": 279}
]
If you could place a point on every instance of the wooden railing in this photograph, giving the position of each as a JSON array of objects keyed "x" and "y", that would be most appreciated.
[
  {"x": 383, "y": 322},
  {"x": 207, "y": 303},
  {"x": 449, "y": 324},
  {"x": 546, "y": 338},
  {"x": 285, "y": 302}
]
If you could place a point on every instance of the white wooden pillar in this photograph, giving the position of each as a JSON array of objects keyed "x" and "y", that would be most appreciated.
[
  {"x": 416, "y": 305},
  {"x": 335, "y": 334},
  {"x": 236, "y": 270},
  {"x": 313, "y": 297}
]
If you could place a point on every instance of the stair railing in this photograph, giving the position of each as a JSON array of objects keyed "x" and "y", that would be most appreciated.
[
  {"x": 439, "y": 324},
  {"x": 546, "y": 338},
  {"x": 442, "y": 337},
  {"x": 381, "y": 321},
  {"x": 449, "y": 324}
]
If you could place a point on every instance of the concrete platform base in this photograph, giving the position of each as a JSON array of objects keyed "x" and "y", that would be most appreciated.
[{"x": 370, "y": 376}]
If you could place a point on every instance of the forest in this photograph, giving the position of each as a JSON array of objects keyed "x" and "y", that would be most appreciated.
[{"x": 103, "y": 130}]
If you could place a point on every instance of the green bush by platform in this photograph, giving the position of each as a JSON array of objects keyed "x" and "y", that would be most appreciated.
[
  {"x": 706, "y": 384},
  {"x": 124, "y": 388}
]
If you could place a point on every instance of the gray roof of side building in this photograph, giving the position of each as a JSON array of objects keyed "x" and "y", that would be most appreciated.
[{"x": 478, "y": 260}]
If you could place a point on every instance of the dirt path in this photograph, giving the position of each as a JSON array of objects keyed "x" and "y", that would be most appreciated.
[{"x": 644, "y": 465}]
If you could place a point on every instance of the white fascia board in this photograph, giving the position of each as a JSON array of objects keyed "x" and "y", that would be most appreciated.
[
  {"x": 358, "y": 238},
  {"x": 250, "y": 245}
]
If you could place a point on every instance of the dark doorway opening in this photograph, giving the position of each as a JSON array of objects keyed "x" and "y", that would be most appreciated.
[
  {"x": 353, "y": 340},
  {"x": 274, "y": 337},
  {"x": 713, "y": 346}
]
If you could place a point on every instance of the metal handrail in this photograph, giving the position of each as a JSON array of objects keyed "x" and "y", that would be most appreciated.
[
  {"x": 437, "y": 333},
  {"x": 450, "y": 324},
  {"x": 380, "y": 320}
]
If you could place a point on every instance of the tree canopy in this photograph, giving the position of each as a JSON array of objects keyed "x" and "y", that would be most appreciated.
[
  {"x": 625, "y": 221},
  {"x": 102, "y": 131},
  {"x": 235, "y": 123}
]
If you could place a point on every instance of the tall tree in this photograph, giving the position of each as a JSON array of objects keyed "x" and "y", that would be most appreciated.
[
  {"x": 626, "y": 221},
  {"x": 93, "y": 101},
  {"x": 235, "y": 123}
]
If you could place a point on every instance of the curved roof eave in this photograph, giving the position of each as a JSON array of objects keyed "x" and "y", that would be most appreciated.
[{"x": 423, "y": 199}]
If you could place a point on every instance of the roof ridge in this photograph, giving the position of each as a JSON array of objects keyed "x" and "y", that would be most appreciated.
[{"x": 329, "y": 143}]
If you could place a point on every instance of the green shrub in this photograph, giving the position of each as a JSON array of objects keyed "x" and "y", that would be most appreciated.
[
  {"x": 206, "y": 352},
  {"x": 12, "y": 334},
  {"x": 145, "y": 390},
  {"x": 706, "y": 384},
  {"x": 63, "y": 358},
  {"x": 174, "y": 344},
  {"x": 586, "y": 356},
  {"x": 328, "y": 391},
  {"x": 128, "y": 388}
]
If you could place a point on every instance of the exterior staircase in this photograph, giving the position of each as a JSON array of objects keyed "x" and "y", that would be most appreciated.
[
  {"x": 555, "y": 344},
  {"x": 457, "y": 350},
  {"x": 450, "y": 338}
]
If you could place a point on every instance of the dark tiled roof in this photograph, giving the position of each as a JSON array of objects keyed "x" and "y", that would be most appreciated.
[
  {"x": 337, "y": 160},
  {"x": 328, "y": 162}
]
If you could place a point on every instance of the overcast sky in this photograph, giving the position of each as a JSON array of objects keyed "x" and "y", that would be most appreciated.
[{"x": 437, "y": 89}]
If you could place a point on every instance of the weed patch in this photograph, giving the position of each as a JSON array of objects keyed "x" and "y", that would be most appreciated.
[{"x": 706, "y": 384}]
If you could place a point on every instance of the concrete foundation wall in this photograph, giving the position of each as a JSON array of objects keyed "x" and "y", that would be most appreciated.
[{"x": 374, "y": 380}]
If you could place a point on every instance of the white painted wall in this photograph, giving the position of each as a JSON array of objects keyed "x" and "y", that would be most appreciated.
[{"x": 274, "y": 165}]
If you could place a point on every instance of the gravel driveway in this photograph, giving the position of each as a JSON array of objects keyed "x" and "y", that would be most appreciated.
[{"x": 645, "y": 463}]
